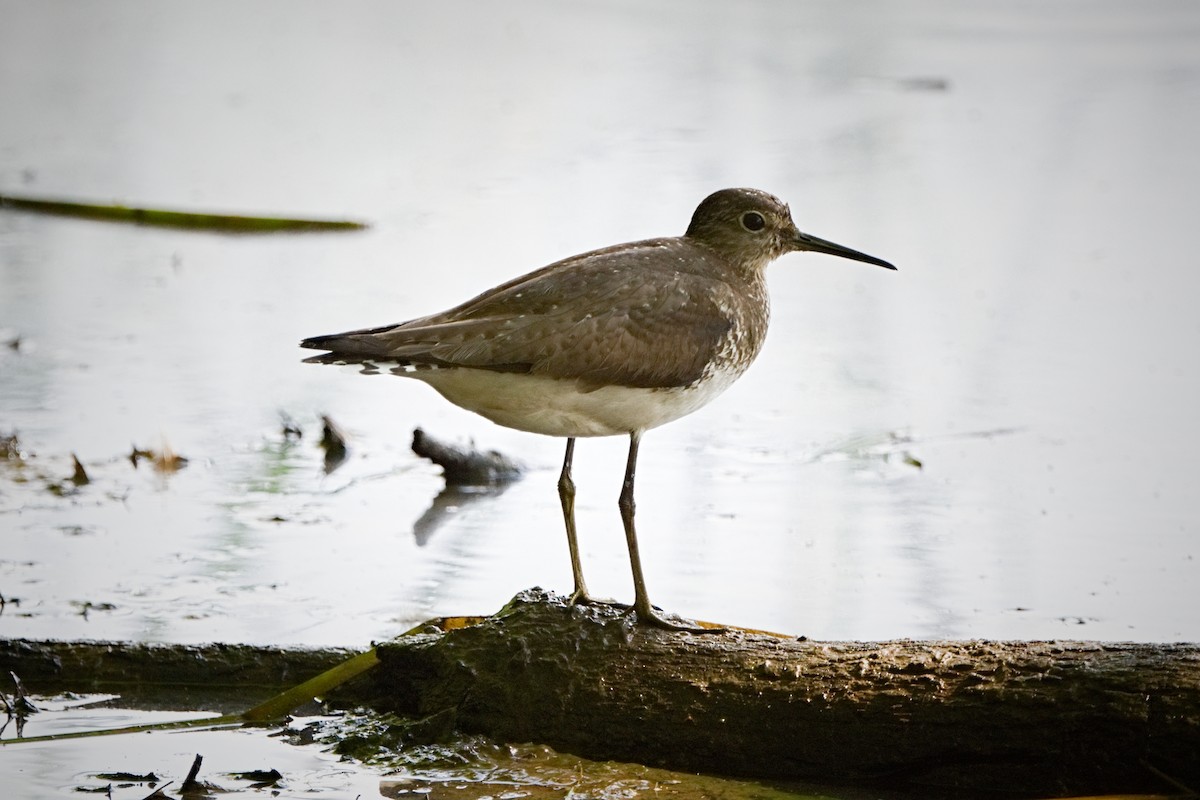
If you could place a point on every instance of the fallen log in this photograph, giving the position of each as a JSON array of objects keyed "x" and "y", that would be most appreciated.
[
  {"x": 1024, "y": 717},
  {"x": 224, "y": 677}
]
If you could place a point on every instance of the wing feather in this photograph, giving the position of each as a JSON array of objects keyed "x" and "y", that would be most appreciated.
[{"x": 650, "y": 315}]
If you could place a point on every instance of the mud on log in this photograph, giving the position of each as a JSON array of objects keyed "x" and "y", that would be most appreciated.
[{"x": 1024, "y": 717}]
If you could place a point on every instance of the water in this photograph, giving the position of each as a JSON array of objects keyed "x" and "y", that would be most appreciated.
[
  {"x": 66, "y": 768},
  {"x": 1030, "y": 169},
  {"x": 304, "y": 765}
]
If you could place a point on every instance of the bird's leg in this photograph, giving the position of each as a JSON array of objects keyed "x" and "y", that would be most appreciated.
[
  {"x": 566, "y": 494},
  {"x": 641, "y": 601}
]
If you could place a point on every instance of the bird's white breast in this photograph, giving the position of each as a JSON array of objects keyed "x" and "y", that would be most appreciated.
[{"x": 560, "y": 407}]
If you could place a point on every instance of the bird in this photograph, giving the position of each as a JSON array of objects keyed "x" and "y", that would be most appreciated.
[{"x": 611, "y": 342}]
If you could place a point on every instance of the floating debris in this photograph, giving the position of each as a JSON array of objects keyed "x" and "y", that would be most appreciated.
[
  {"x": 190, "y": 785},
  {"x": 127, "y": 777},
  {"x": 69, "y": 486},
  {"x": 137, "y": 455},
  {"x": 230, "y": 223},
  {"x": 18, "y": 708},
  {"x": 167, "y": 460},
  {"x": 260, "y": 778},
  {"x": 87, "y": 606},
  {"x": 24, "y": 471},
  {"x": 20, "y": 705},
  {"x": 291, "y": 431},
  {"x": 10, "y": 447},
  {"x": 466, "y": 467},
  {"x": 80, "y": 476},
  {"x": 333, "y": 442},
  {"x": 164, "y": 460}
]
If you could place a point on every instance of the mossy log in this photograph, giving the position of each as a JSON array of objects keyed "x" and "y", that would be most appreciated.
[{"x": 1022, "y": 717}]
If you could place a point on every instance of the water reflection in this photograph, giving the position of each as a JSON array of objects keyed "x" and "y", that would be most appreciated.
[
  {"x": 448, "y": 503},
  {"x": 1038, "y": 301}
]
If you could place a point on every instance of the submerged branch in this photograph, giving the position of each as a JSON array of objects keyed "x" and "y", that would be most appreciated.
[
  {"x": 232, "y": 223},
  {"x": 466, "y": 466}
]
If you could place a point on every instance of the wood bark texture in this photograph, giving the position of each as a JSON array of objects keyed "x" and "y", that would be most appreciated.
[
  {"x": 1034, "y": 718},
  {"x": 222, "y": 676}
]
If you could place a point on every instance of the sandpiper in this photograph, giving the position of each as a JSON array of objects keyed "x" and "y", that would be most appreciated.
[{"x": 615, "y": 341}]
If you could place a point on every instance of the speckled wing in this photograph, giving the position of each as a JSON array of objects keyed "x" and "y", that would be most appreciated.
[{"x": 647, "y": 315}]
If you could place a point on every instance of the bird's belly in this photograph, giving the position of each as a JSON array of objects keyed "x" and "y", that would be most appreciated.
[{"x": 558, "y": 407}]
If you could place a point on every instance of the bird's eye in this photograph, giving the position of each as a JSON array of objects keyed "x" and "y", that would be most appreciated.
[{"x": 753, "y": 221}]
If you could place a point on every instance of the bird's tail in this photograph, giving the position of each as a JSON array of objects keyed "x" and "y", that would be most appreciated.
[{"x": 351, "y": 343}]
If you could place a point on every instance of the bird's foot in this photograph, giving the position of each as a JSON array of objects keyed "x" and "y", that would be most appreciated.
[
  {"x": 580, "y": 597},
  {"x": 651, "y": 617}
]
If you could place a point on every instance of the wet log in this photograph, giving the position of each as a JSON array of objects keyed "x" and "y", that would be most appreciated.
[
  {"x": 217, "y": 676},
  {"x": 1032, "y": 718}
]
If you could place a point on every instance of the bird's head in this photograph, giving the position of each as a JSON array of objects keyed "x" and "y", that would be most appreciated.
[{"x": 752, "y": 228}]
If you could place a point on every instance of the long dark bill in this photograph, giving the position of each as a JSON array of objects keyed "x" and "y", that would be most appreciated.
[{"x": 804, "y": 241}]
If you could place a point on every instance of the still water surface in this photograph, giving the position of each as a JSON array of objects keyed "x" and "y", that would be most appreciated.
[{"x": 1031, "y": 169}]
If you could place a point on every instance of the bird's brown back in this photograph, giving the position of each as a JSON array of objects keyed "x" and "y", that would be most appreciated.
[{"x": 651, "y": 314}]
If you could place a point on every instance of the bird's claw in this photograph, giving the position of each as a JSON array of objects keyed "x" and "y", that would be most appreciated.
[
  {"x": 647, "y": 616},
  {"x": 580, "y": 597},
  {"x": 654, "y": 620}
]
